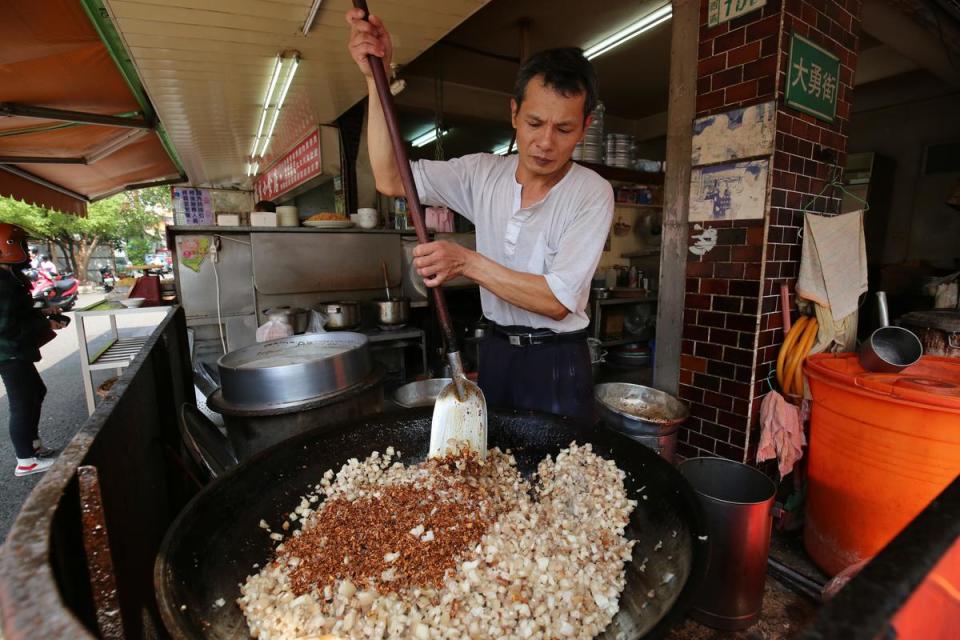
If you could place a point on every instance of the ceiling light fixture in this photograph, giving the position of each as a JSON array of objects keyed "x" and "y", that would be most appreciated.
[
  {"x": 284, "y": 68},
  {"x": 502, "y": 151},
  {"x": 428, "y": 137},
  {"x": 308, "y": 23},
  {"x": 647, "y": 22}
]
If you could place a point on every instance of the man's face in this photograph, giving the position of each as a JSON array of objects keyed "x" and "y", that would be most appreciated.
[{"x": 548, "y": 126}]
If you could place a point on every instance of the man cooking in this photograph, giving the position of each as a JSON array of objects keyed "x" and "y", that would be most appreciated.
[{"x": 541, "y": 223}]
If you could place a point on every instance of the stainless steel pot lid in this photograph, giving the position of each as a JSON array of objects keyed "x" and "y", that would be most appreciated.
[
  {"x": 216, "y": 401},
  {"x": 293, "y": 369}
]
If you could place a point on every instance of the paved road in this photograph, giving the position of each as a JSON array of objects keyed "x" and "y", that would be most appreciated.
[{"x": 65, "y": 409}]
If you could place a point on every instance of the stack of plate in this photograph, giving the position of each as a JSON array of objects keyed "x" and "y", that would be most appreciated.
[
  {"x": 590, "y": 149},
  {"x": 620, "y": 150}
]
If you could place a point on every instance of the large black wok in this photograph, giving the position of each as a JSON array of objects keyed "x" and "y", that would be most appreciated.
[{"x": 214, "y": 543}]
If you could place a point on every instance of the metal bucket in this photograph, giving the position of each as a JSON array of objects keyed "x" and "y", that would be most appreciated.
[
  {"x": 738, "y": 502},
  {"x": 649, "y": 416}
]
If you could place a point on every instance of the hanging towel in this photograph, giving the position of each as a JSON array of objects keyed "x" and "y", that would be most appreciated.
[
  {"x": 833, "y": 265},
  {"x": 781, "y": 432}
]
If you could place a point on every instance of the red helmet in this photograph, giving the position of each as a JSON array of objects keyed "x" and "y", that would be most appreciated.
[{"x": 13, "y": 244}]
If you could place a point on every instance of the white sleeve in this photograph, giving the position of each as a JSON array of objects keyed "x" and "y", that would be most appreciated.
[
  {"x": 579, "y": 252},
  {"x": 448, "y": 182}
]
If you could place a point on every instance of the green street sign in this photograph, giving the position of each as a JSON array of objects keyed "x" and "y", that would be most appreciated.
[
  {"x": 723, "y": 10},
  {"x": 813, "y": 81}
]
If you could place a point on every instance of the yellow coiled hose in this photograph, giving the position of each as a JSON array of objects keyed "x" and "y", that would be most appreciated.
[{"x": 793, "y": 352}]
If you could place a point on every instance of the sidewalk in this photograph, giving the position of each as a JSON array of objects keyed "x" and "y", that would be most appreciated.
[{"x": 64, "y": 409}]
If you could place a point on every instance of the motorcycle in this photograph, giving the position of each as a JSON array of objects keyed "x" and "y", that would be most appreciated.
[
  {"x": 107, "y": 280},
  {"x": 56, "y": 291}
]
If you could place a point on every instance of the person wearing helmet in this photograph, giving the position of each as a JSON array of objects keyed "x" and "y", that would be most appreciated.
[{"x": 22, "y": 330}]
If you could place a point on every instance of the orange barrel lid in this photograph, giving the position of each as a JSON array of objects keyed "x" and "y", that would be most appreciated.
[{"x": 932, "y": 381}]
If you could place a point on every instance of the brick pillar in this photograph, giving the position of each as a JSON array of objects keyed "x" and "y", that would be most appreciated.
[{"x": 732, "y": 321}]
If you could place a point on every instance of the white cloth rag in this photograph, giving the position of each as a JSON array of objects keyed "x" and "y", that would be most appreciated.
[
  {"x": 781, "y": 432},
  {"x": 833, "y": 265}
]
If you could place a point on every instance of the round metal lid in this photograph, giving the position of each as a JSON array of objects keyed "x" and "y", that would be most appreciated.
[{"x": 292, "y": 369}]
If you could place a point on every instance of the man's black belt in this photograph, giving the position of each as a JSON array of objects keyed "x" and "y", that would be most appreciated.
[{"x": 525, "y": 336}]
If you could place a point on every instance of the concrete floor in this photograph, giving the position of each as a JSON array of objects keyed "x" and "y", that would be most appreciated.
[{"x": 64, "y": 409}]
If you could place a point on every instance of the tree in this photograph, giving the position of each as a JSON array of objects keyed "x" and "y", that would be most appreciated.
[
  {"x": 137, "y": 250},
  {"x": 119, "y": 218}
]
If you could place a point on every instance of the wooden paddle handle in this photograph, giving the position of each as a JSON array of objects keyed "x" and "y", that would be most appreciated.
[{"x": 406, "y": 176}]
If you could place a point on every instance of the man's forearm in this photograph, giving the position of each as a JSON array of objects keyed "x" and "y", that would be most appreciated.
[
  {"x": 379, "y": 146},
  {"x": 525, "y": 290}
]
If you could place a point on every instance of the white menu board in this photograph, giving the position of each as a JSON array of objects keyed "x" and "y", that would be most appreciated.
[{"x": 192, "y": 206}]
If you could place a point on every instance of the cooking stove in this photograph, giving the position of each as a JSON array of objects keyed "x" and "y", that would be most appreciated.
[
  {"x": 396, "y": 338},
  {"x": 381, "y": 333}
]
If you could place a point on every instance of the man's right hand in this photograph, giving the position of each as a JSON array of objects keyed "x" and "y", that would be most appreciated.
[{"x": 368, "y": 38}]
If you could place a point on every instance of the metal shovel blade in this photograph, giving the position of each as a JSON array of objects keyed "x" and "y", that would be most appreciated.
[{"x": 459, "y": 419}]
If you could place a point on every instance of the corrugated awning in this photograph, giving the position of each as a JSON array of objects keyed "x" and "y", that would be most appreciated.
[{"x": 74, "y": 125}]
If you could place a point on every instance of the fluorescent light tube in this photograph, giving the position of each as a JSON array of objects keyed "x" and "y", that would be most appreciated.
[
  {"x": 502, "y": 151},
  {"x": 649, "y": 21},
  {"x": 427, "y": 138},
  {"x": 292, "y": 64},
  {"x": 267, "y": 99},
  {"x": 308, "y": 23}
]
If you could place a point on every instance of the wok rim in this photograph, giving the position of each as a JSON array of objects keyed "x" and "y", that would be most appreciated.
[{"x": 699, "y": 532}]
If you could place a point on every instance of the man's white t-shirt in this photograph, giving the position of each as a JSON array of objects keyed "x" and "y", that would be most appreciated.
[{"x": 561, "y": 237}]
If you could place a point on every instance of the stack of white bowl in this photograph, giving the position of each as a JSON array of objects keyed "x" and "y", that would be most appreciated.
[{"x": 288, "y": 216}]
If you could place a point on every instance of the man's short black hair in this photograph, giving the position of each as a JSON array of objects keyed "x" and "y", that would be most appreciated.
[{"x": 564, "y": 70}]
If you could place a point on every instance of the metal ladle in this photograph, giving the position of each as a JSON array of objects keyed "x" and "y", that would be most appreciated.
[{"x": 889, "y": 349}]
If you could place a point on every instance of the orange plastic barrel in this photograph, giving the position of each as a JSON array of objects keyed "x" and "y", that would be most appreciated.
[{"x": 882, "y": 446}]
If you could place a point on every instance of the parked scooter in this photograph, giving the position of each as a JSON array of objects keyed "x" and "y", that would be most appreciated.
[
  {"x": 53, "y": 292},
  {"x": 107, "y": 280}
]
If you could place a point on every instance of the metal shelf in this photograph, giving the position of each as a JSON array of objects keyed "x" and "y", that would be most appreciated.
[
  {"x": 616, "y": 342},
  {"x": 633, "y": 205},
  {"x": 620, "y": 174},
  {"x": 118, "y": 353},
  {"x": 643, "y": 253},
  {"x": 607, "y": 302}
]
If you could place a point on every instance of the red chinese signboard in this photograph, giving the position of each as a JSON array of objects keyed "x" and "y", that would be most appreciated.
[{"x": 296, "y": 167}]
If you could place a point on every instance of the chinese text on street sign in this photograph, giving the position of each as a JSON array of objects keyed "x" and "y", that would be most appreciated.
[
  {"x": 813, "y": 81},
  {"x": 296, "y": 167},
  {"x": 723, "y": 10}
]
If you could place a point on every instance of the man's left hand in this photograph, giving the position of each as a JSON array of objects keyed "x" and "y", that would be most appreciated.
[{"x": 438, "y": 262}]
